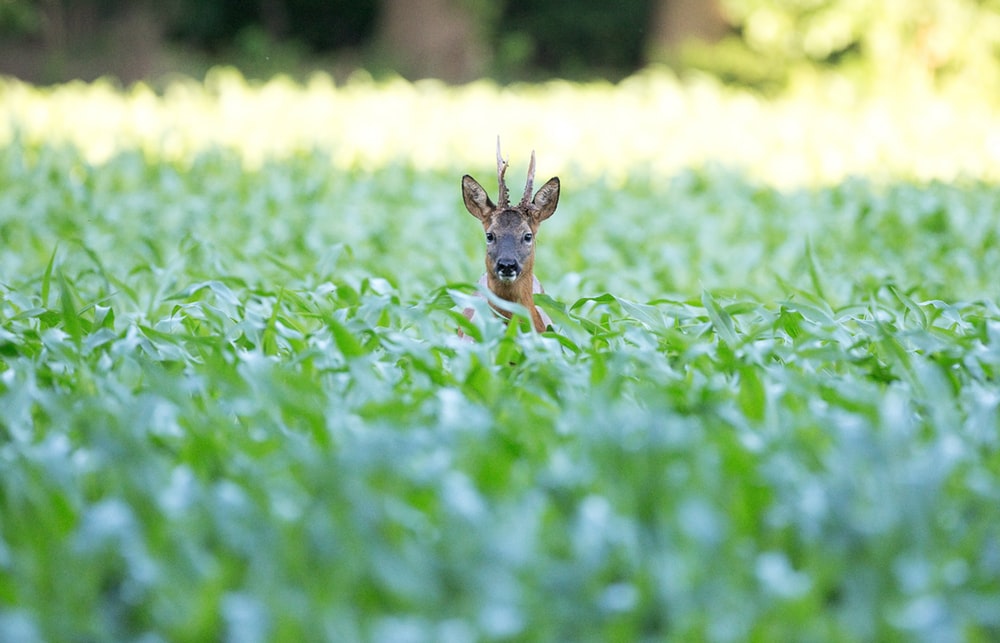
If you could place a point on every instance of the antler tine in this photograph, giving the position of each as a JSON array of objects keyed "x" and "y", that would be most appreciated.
[
  {"x": 526, "y": 199},
  {"x": 503, "y": 198}
]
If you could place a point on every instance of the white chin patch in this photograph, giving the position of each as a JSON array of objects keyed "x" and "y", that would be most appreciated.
[{"x": 507, "y": 278}]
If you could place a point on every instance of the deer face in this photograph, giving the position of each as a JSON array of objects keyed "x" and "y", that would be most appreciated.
[
  {"x": 510, "y": 230},
  {"x": 510, "y": 248}
]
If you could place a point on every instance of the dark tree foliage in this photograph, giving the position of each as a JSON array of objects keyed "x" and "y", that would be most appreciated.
[
  {"x": 320, "y": 25},
  {"x": 332, "y": 24},
  {"x": 527, "y": 39},
  {"x": 579, "y": 37}
]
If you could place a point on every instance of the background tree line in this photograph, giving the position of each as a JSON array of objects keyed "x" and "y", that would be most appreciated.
[{"x": 752, "y": 42}]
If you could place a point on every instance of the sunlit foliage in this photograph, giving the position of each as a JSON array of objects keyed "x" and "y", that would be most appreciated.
[{"x": 824, "y": 130}]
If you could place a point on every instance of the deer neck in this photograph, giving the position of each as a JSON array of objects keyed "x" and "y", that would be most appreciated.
[{"x": 519, "y": 291}]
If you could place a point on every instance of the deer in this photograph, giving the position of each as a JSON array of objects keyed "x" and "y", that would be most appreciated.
[{"x": 510, "y": 238}]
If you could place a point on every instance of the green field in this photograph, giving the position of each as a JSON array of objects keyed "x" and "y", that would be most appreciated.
[{"x": 235, "y": 406}]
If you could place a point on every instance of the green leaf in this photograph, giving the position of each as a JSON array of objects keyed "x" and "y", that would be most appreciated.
[
  {"x": 47, "y": 276},
  {"x": 465, "y": 325},
  {"x": 814, "y": 277},
  {"x": 720, "y": 319},
  {"x": 346, "y": 342},
  {"x": 752, "y": 395},
  {"x": 911, "y": 306},
  {"x": 648, "y": 315},
  {"x": 70, "y": 316}
]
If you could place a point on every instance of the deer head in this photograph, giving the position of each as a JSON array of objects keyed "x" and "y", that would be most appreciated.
[{"x": 510, "y": 232}]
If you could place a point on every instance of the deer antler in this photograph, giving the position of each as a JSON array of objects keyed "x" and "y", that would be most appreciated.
[
  {"x": 526, "y": 199},
  {"x": 503, "y": 199}
]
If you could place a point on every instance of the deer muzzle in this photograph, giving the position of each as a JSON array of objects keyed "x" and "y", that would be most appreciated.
[{"x": 507, "y": 269}]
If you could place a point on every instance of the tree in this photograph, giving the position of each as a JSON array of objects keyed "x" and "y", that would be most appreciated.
[
  {"x": 676, "y": 23},
  {"x": 439, "y": 38}
]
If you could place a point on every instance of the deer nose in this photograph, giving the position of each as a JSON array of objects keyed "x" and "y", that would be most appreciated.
[{"x": 507, "y": 269}]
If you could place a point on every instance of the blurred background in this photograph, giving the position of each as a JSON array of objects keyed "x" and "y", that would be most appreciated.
[{"x": 754, "y": 43}]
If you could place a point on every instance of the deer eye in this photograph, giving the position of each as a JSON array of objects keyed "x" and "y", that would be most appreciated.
[
  {"x": 490, "y": 238},
  {"x": 528, "y": 237}
]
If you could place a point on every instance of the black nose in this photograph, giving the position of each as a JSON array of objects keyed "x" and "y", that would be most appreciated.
[{"x": 506, "y": 268}]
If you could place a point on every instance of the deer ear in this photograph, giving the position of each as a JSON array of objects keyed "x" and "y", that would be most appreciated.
[
  {"x": 477, "y": 202},
  {"x": 546, "y": 200}
]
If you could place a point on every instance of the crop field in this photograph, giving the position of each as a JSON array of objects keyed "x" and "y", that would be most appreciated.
[{"x": 234, "y": 404}]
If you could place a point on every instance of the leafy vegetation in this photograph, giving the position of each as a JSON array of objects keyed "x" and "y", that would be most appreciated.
[
  {"x": 235, "y": 405},
  {"x": 764, "y": 43},
  {"x": 874, "y": 42}
]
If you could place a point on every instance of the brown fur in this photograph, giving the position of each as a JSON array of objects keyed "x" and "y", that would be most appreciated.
[{"x": 539, "y": 320}]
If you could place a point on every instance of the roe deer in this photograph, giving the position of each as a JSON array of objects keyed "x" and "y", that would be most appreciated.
[{"x": 510, "y": 238}]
